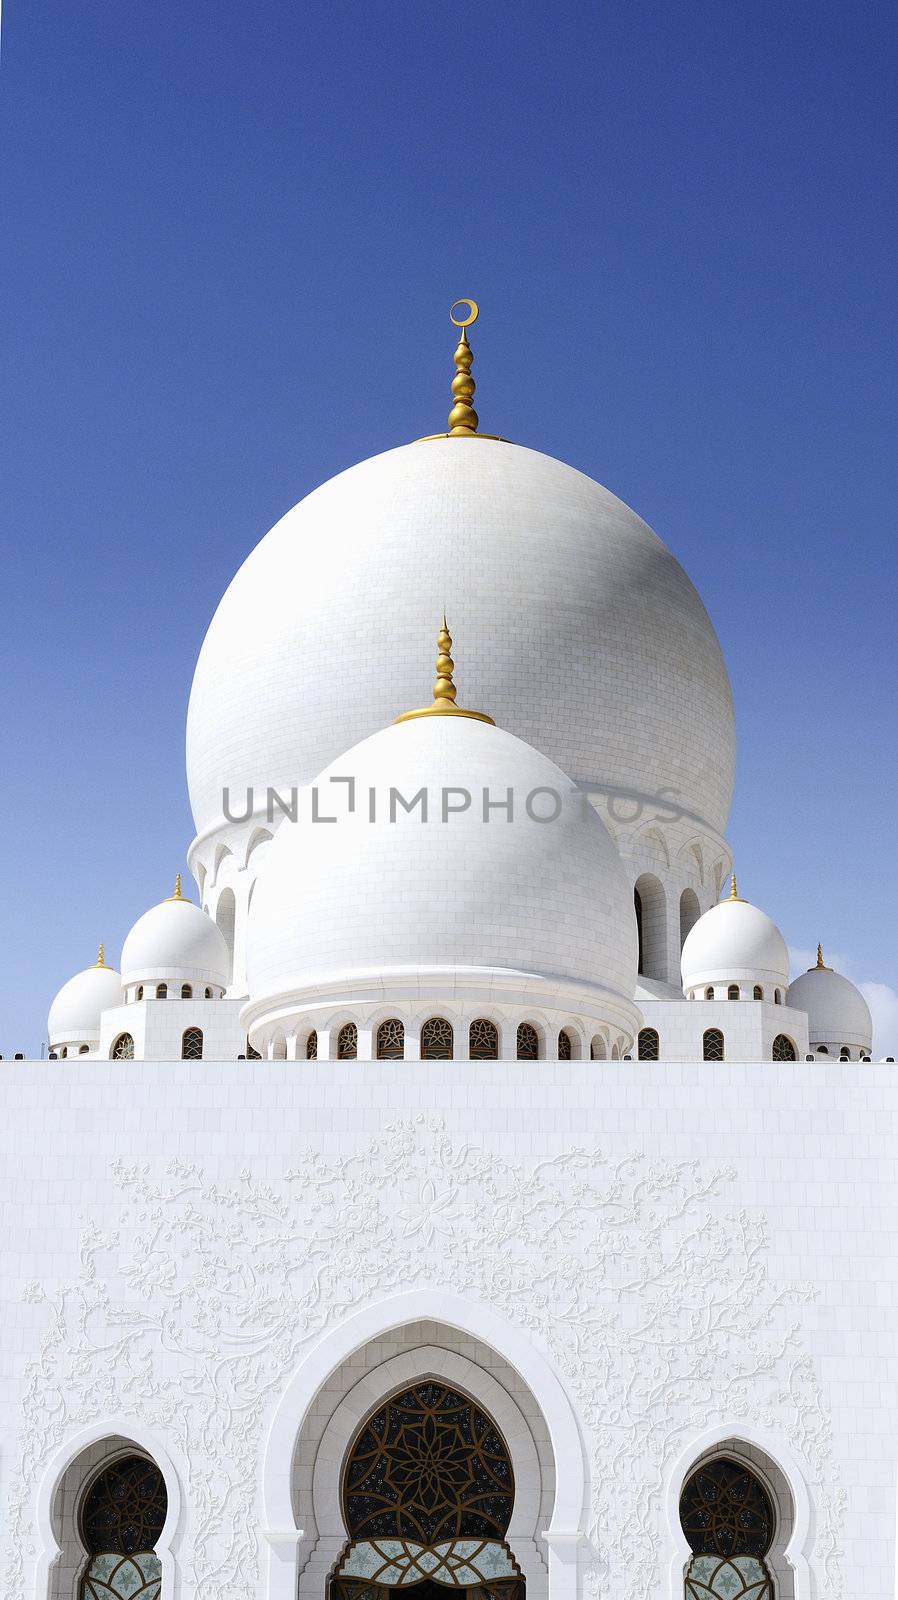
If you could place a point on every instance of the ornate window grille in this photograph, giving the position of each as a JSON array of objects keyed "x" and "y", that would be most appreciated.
[
  {"x": 186, "y": 991},
  {"x": 709, "y": 992},
  {"x": 649, "y": 1045},
  {"x": 348, "y": 1042},
  {"x": 483, "y": 1040},
  {"x": 122, "y": 1517},
  {"x": 733, "y": 991},
  {"x": 391, "y": 1040},
  {"x": 528, "y": 1042},
  {"x": 437, "y": 1040},
  {"x": 712, "y": 1045},
  {"x": 123, "y": 1049},
  {"x": 783, "y": 1049},
  {"x": 207, "y": 993},
  {"x": 312, "y": 1046},
  {"x": 727, "y": 1517},
  {"x": 192, "y": 1044},
  {"x": 162, "y": 991},
  {"x": 564, "y": 1045},
  {"x": 251, "y": 1054},
  {"x": 758, "y": 992}
]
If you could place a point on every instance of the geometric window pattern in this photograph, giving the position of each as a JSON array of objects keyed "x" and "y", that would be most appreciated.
[
  {"x": 528, "y": 1042},
  {"x": 348, "y": 1042},
  {"x": 123, "y": 1049},
  {"x": 728, "y": 1519},
  {"x": 192, "y": 1044},
  {"x": 564, "y": 1046},
  {"x": 437, "y": 1040},
  {"x": 125, "y": 1508},
  {"x": 649, "y": 1045},
  {"x": 483, "y": 1040},
  {"x": 428, "y": 1466},
  {"x": 115, "y": 1577},
  {"x": 783, "y": 1048},
  {"x": 312, "y": 1046},
  {"x": 391, "y": 1040},
  {"x": 712, "y": 1045},
  {"x": 742, "y": 1578},
  {"x": 457, "y": 1563}
]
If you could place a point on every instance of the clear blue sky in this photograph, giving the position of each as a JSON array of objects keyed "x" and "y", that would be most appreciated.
[{"x": 231, "y": 235}]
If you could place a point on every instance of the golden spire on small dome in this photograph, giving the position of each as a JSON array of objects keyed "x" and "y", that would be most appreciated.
[
  {"x": 734, "y": 892},
  {"x": 101, "y": 957},
  {"x": 463, "y": 418},
  {"x": 444, "y": 690},
  {"x": 821, "y": 964},
  {"x": 177, "y": 894}
]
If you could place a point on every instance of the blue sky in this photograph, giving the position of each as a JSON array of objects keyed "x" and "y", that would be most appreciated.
[{"x": 231, "y": 235}]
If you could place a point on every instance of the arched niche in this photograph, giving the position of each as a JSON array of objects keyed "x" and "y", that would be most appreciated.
[{"x": 650, "y": 903}]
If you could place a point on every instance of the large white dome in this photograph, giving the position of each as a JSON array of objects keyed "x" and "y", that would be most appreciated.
[
  {"x": 837, "y": 1012},
  {"x": 397, "y": 905},
  {"x": 321, "y": 635},
  {"x": 76, "y": 1011},
  {"x": 175, "y": 942},
  {"x": 735, "y": 942}
]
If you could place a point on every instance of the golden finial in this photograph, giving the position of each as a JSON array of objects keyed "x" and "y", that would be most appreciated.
[
  {"x": 177, "y": 894},
  {"x": 463, "y": 418},
  {"x": 101, "y": 957},
  {"x": 444, "y": 690},
  {"x": 821, "y": 964},
  {"x": 734, "y": 892}
]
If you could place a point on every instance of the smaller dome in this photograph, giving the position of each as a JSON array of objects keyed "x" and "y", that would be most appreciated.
[
  {"x": 176, "y": 942},
  {"x": 76, "y": 1011},
  {"x": 734, "y": 942},
  {"x": 837, "y": 1012}
]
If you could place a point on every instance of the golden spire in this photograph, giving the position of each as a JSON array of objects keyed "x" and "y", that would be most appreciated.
[
  {"x": 177, "y": 894},
  {"x": 444, "y": 690},
  {"x": 734, "y": 892},
  {"x": 821, "y": 964},
  {"x": 101, "y": 957},
  {"x": 463, "y": 418}
]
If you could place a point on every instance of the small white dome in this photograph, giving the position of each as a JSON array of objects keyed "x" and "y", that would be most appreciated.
[
  {"x": 836, "y": 1010},
  {"x": 76, "y": 1011},
  {"x": 734, "y": 942},
  {"x": 176, "y": 942},
  {"x": 404, "y": 903}
]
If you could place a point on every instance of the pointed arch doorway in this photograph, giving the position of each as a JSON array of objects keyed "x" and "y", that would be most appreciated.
[{"x": 428, "y": 1493}]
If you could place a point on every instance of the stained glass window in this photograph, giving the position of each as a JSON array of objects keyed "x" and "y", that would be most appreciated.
[
  {"x": 312, "y": 1046},
  {"x": 564, "y": 1046},
  {"x": 123, "y": 1049},
  {"x": 125, "y": 1508},
  {"x": 348, "y": 1042},
  {"x": 783, "y": 1049},
  {"x": 192, "y": 1044},
  {"x": 437, "y": 1040},
  {"x": 649, "y": 1045},
  {"x": 712, "y": 1044},
  {"x": 391, "y": 1040},
  {"x": 483, "y": 1040},
  {"x": 728, "y": 1519},
  {"x": 528, "y": 1042},
  {"x": 429, "y": 1465}
]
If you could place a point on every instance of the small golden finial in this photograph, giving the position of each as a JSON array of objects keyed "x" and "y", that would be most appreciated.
[
  {"x": 734, "y": 892},
  {"x": 444, "y": 690},
  {"x": 821, "y": 964},
  {"x": 177, "y": 894},
  {"x": 463, "y": 418},
  {"x": 101, "y": 957}
]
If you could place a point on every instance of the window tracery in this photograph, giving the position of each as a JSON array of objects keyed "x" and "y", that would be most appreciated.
[
  {"x": 649, "y": 1045},
  {"x": 348, "y": 1042},
  {"x": 312, "y": 1046},
  {"x": 527, "y": 1042},
  {"x": 437, "y": 1040},
  {"x": 192, "y": 1044},
  {"x": 123, "y": 1048},
  {"x": 728, "y": 1519},
  {"x": 483, "y": 1040},
  {"x": 564, "y": 1045},
  {"x": 122, "y": 1518},
  {"x": 391, "y": 1040},
  {"x": 783, "y": 1049},
  {"x": 712, "y": 1045}
]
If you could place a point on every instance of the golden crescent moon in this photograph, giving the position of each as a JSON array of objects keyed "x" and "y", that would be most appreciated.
[{"x": 473, "y": 313}]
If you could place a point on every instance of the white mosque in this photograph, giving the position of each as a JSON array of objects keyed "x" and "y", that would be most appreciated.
[{"x": 458, "y": 1194}]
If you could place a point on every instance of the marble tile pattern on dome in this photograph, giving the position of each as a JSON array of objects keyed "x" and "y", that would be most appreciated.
[{"x": 453, "y": 1190}]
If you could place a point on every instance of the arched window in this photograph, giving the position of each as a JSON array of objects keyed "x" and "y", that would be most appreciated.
[
  {"x": 783, "y": 1049},
  {"x": 598, "y": 1050},
  {"x": 712, "y": 1045},
  {"x": 758, "y": 992},
  {"x": 192, "y": 1044},
  {"x": 564, "y": 1046},
  {"x": 84, "y": 1049},
  {"x": 709, "y": 992},
  {"x": 312, "y": 1046},
  {"x": 528, "y": 1042},
  {"x": 428, "y": 1489},
  {"x": 123, "y": 1048},
  {"x": 650, "y": 906},
  {"x": 391, "y": 1040},
  {"x": 207, "y": 993},
  {"x": 226, "y": 917},
  {"x": 483, "y": 1040},
  {"x": 727, "y": 1517},
  {"x": 649, "y": 1045},
  {"x": 139, "y": 995},
  {"x": 162, "y": 991},
  {"x": 437, "y": 1040},
  {"x": 122, "y": 1517},
  {"x": 822, "y": 1049},
  {"x": 777, "y": 997},
  {"x": 186, "y": 991},
  {"x": 348, "y": 1042},
  {"x": 690, "y": 911},
  {"x": 733, "y": 991}
]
